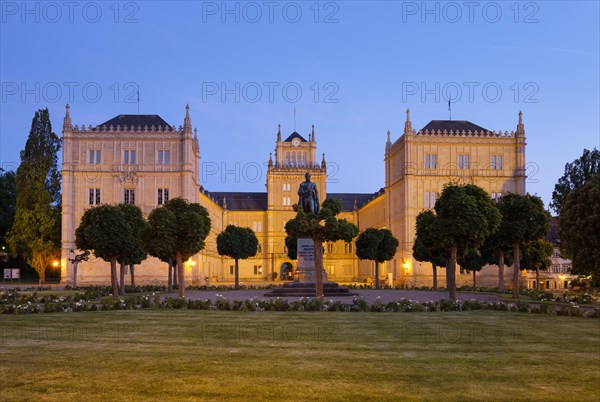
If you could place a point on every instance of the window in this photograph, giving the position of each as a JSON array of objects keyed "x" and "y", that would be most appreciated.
[
  {"x": 163, "y": 196},
  {"x": 330, "y": 248},
  {"x": 129, "y": 156},
  {"x": 348, "y": 248},
  {"x": 258, "y": 248},
  {"x": 430, "y": 161},
  {"x": 129, "y": 196},
  {"x": 463, "y": 161},
  {"x": 95, "y": 156},
  {"x": 430, "y": 198},
  {"x": 257, "y": 270},
  {"x": 287, "y": 187},
  {"x": 287, "y": 201},
  {"x": 566, "y": 268},
  {"x": 496, "y": 196},
  {"x": 94, "y": 194},
  {"x": 556, "y": 253},
  {"x": 303, "y": 158},
  {"x": 287, "y": 158},
  {"x": 496, "y": 162},
  {"x": 231, "y": 269},
  {"x": 164, "y": 157},
  {"x": 331, "y": 270},
  {"x": 257, "y": 226}
]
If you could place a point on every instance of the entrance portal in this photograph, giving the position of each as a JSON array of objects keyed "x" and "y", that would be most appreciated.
[{"x": 287, "y": 271}]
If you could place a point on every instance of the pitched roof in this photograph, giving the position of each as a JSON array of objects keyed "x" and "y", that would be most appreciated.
[
  {"x": 137, "y": 120},
  {"x": 237, "y": 201},
  {"x": 455, "y": 125},
  {"x": 294, "y": 135},
  {"x": 240, "y": 201}
]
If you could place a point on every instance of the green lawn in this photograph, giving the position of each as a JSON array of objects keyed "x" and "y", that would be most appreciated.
[{"x": 214, "y": 355}]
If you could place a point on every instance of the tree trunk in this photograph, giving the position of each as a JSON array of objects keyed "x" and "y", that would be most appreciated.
[
  {"x": 132, "y": 272},
  {"x": 451, "y": 274},
  {"x": 376, "y": 275},
  {"x": 42, "y": 275},
  {"x": 318, "y": 257},
  {"x": 501, "y": 271},
  {"x": 516, "y": 271},
  {"x": 170, "y": 280},
  {"x": 113, "y": 278},
  {"x": 537, "y": 278},
  {"x": 180, "y": 276},
  {"x": 474, "y": 278},
  {"x": 75, "y": 273},
  {"x": 175, "y": 272},
  {"x": 434, "y": 267},
  {"x": 237, "y": 274},
  {"x": 122, "y": 279}
]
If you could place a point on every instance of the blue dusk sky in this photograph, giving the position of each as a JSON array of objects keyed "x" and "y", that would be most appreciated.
[{"x": 351, "y": 68}]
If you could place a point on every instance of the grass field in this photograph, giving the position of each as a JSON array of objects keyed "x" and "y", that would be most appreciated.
[{"x": 212, "y": 355}]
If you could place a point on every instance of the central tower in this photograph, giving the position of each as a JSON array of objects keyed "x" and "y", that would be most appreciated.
[{"x": 294, "y": 156}]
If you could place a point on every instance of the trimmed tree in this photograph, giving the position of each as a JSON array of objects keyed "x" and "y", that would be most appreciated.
[
  {"x": 378, "y": 245},
  {"x": 426, "y": 246},
  {"x": 135, "y": 251},
  {"x": 321, "y": 227},
  {"x": 495, "y": 251},
  {"x": 465, "y": 216},
  {"x": 579, "y": 228},
  {"x": 472, "y": 261},
  {"x": 106, "y": 232},
  {"x": 239, "y": 244},
  {"x": 159, "y": 239},
  {"x": 524, "y": 219},
  {"x": 576, "y": 175},
  {"x": 179, "y": 231},
  {"x": 536, "y": 255}
]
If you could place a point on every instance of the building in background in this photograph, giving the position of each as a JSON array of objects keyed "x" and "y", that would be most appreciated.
[
  {"x": 558, "y": 276},
  {"x": 417, "y": 166}
]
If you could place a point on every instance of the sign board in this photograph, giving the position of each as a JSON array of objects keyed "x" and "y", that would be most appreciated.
[
  {"x": 12, "y": 273},
  {"x": 306, "y": 253}
]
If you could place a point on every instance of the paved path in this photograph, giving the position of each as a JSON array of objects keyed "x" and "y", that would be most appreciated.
[{"x": 387, "y": 295}]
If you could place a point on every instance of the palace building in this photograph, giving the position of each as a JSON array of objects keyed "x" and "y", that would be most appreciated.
[{"x": 140, "y": 159}]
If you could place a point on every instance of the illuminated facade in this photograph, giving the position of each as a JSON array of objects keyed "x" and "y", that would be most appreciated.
[{"x": 417, "y": 165}]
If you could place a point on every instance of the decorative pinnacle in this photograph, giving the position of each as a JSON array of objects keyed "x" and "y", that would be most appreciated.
[
  {"x": 68, "y": 109},
  {"x": 388, "y": 136},
  {"x": 407, "y": 124},
  {"x": 279, "y": 132},
  {"x": 520, "y": 125},
  {"x": 313, "y": 133}
]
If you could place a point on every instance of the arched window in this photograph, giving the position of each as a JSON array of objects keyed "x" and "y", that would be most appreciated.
[
  {"x": 304, "y": 159},
  {"x": 287, "y": 158},
  {"x": 293, "y": 159}
]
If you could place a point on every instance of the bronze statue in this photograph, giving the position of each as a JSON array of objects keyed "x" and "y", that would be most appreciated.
[{"x": 309, "y": 195}]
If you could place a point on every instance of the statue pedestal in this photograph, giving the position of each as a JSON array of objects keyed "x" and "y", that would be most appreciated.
[{"x": 305, "y": 271}]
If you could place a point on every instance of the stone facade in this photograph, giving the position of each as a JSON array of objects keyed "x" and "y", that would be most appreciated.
[{"x": 417, "y": 165}]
